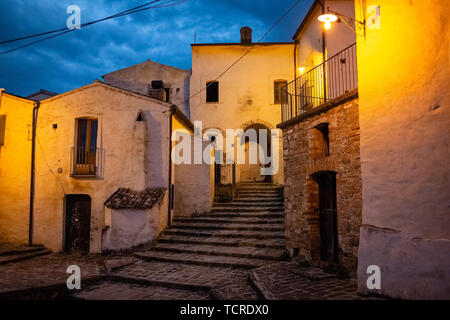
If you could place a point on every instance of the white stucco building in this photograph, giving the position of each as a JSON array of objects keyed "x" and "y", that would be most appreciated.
[
  {"x": 247, "y": 96},
  {"x": 89, "y": 143}
]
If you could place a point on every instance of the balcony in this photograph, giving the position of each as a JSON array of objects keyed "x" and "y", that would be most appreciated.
[
  {"x": 324, "y": 82},
  {"x": 87, "y": 162}
]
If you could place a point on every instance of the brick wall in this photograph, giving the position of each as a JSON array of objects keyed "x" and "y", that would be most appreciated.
[{"x": 305, "y": 154}]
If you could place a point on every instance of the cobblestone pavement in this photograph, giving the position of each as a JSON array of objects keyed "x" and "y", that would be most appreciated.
[
  {"x": 230, "y": 284},
  {"x": 109, "y": 290},
  {"x": 289, "y": 281},
  {"x": 168, "y": 281},
  {"x": 46, "y": 270}
]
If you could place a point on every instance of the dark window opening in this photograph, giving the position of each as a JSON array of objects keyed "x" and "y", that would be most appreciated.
[
  {"x": 323, "y": 128},
  {"x": 140, "y": 117},
  {"x": 277, "y": 92},
  {"x": 167, "y": 97},
  {"x": 212, "y": 91}
]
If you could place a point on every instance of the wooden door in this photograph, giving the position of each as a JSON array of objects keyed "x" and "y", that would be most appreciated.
[
  {"x": 328, "y": 217},
  {"x": 78, "y": 223}
]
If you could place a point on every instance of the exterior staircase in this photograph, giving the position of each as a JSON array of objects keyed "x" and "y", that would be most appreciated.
[
  {"x": 245, "y": 233},
  {"x": 10, "y": 253}
]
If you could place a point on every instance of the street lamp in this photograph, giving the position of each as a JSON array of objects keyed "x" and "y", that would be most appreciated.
[
  {"x": 327, "y": 19},
  {"x": 332, "y": 16}
]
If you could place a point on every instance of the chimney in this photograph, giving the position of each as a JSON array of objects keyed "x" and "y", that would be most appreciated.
[{"x": 246, "y": 35}]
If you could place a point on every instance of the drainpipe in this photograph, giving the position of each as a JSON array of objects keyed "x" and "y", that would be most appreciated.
[
  {"x": 170, "y": 191},
  {"x": 295, "y": 75},
  {"x": 324, "y": 48},
  {"x": 37, "y": 104}
]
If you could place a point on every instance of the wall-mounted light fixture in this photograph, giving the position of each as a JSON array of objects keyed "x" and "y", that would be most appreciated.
[
  {"x": 327, "y": 19},
  {"x": 332, "y": 16}
]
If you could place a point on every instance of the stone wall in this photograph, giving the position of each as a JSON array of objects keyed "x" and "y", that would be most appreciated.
[{"x": 305, "y": 154}]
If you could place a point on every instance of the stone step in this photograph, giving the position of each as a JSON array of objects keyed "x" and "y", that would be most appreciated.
[
  {"x": 243, "y": 234},
  {"x": 226, "y": 251},
  {"x": 200, "y": 259},
  {"x": 217, "y": 241},
  {"x": 19, "y": 249},
  {"x": 256, "y": 199},
  {"x": 258, "y": 196},
  {"x": 259, "y": 190},
  {"x": 259, "y": 187},
  {"x": 5, "y": 259},
  {"x": 261, "y": 215},
  {"x": 239, "y": 220},
  {"x": 246, "y": 209},
  {"x": 249, "y": 204},
  {"x": 228, "y": 226}
]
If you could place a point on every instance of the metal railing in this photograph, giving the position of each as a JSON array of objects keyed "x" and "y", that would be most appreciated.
[
  {"x": 87, "y": 162},
  {"x": 326, "y": 81}
]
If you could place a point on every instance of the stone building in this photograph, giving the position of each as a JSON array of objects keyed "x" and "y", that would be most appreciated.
[
  {"x": 156, "y": 80},
  {"x": 321, "y": 144},
  {"x": 87, "y": 143}
]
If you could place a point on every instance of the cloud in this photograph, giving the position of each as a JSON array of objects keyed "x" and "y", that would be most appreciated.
[{"x": 164, "y": 35}]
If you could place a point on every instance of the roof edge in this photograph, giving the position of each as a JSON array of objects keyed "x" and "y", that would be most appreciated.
[{"x": 306, "y": 18}]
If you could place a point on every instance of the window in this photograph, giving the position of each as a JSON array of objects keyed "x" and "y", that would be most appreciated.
[
  {"x": 277, "y": 92},
  {"x": 212, "y": 91},
  {"x": 324, "y": 149},
  {"x": 85, "y": 153}
]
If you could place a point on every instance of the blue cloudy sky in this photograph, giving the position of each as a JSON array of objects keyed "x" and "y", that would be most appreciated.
[{"x": 163, "y": 35}]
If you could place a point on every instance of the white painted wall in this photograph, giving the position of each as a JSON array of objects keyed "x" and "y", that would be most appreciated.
[
  {"x": 116, "y": 111},
  {"x": 310, "y": 39},
  {"x": 129, "y": 228},
  {"x": 246, "y": 93}
]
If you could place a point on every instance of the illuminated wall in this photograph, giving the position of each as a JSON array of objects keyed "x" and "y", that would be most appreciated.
[
  {"x": 116, "y": 111},
  {"x": 404, "y": 76}
]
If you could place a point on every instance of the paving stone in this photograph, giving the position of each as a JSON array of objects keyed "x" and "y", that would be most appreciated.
[
  {"x": 46, "y": 270},
  {"x": 110, "y": 290},
  {"x": 283, "y": 281}
]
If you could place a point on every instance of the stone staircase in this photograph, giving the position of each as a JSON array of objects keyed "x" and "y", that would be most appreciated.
[
  {"x": 246, "y": 233},
  {"x": 10, "y": 253}
]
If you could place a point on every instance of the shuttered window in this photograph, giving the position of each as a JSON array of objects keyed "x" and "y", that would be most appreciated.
[{"x": 277, "y": 93}]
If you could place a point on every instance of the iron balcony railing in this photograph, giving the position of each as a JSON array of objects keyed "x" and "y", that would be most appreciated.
[
  {"x": 324, "y": 82},
  {"x": 87, "y": 162}
]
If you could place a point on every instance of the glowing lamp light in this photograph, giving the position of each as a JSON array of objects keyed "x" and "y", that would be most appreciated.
[
  {"x": 327, "y": 19},
  {"x": 301, "y": 70}
]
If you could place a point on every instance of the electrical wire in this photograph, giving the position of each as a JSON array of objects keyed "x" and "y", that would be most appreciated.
[
  {"x": 251, "y": 48},
  {"x": 63, "y": 31}
]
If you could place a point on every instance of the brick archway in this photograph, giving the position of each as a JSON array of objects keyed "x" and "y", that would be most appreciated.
[{"x": 247, "y": 124}]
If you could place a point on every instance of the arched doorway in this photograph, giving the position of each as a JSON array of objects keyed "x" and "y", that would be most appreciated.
[
  {"x": 77, "y": 223},
  {"x": 327, "y": 215},
  {"x": 252, "y": 171}
]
